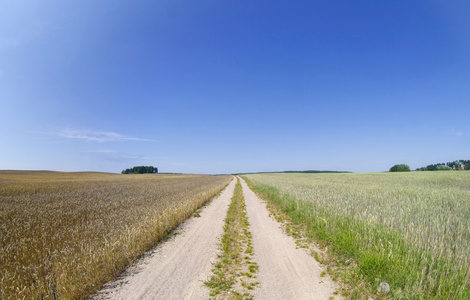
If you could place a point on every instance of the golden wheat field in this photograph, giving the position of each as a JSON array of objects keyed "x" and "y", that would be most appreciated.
[{"x": 62, "y": 235}]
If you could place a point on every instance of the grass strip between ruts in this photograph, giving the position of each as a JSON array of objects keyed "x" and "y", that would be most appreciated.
[{"x": 235, "y": 271}]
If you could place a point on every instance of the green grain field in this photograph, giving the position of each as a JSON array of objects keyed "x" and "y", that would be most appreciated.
[{"x": 411, "y": 230}]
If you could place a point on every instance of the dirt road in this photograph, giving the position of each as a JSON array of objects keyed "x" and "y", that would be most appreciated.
[
  {"x": 177, "y": 268},
  {"x": 285, "y": 272}
]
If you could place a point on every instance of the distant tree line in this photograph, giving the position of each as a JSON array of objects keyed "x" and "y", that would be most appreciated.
[
  {"x": 307, "y": 171},
  {"x": 453, "y": 165},
  {"x": 140, "y": 170},
  {"x": 315, "y": 171}
]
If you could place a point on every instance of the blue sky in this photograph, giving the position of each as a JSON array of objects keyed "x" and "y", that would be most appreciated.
[{"x": 233, "y": 86}]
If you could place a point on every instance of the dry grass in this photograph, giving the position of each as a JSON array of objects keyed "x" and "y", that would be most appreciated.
[{"x": 62, "y": 235}]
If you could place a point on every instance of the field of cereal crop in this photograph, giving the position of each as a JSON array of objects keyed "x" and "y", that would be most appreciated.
[
  {"x": 62, "y": 235},
  {"x": 411, "y": 230}
]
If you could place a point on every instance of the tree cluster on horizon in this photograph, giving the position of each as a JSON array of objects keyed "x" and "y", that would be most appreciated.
[
  {"x": 400, "y": 168},
  {"x": 460, "y": 164},
  {"x": 140, "y": 170}
]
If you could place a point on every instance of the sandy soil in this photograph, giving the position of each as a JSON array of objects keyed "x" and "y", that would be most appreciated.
[
  {"x": 176, "y": 269},
  {"x": 285, "y": 272}
]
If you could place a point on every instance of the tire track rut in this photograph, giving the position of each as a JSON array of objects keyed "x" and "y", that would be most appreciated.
[{"x": 285, "y": 271}]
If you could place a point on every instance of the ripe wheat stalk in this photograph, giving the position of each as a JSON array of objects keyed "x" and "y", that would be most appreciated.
[{"x": 63, "y": 235}]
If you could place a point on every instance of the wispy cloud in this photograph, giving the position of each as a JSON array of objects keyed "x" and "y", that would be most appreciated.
[
  {"x": 31, "y": 31},
  {"x": 111, "y": 155},
  {"x": 180, "y": 164},
  {"x": 459, "y": 133},
  {"x": 97, "y": 136},
  {"x": 9, "y": 43}
]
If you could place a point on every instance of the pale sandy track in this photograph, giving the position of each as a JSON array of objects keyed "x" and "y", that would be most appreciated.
[
  {"x": 284, "y": 271},
  {"x": 177, "y": 268}
]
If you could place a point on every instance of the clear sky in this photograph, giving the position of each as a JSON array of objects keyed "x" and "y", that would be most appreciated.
[{"x": 233, "y": 86}]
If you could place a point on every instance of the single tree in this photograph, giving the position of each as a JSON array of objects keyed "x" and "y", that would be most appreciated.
[{"x": 400, "y": 168}]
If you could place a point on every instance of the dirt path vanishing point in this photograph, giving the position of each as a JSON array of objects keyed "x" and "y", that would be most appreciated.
[
  {"x": 285, "y": 272},
  {"x": 176, "y": 269}
]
